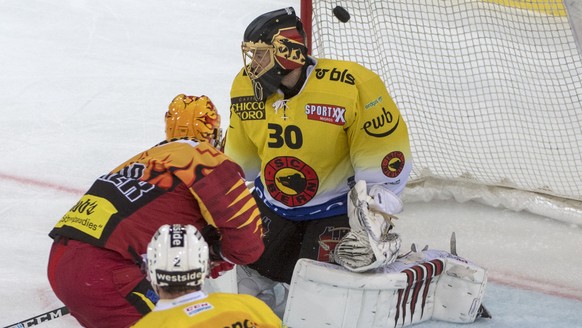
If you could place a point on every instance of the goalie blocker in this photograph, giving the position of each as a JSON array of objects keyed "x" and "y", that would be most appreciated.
[{"x": 421, "y": 286}]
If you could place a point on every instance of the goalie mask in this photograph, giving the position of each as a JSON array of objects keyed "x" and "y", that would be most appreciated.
[
  {"x": 177, "y": 255},
  {"x": 273, "y": 46},
  {"x": 193, "y": 117}
]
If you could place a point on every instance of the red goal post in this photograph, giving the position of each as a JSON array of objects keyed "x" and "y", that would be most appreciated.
[{"x": 491, "y": 91}]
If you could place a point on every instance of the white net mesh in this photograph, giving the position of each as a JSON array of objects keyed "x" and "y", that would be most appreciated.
[{"x": 491, "y": 90}]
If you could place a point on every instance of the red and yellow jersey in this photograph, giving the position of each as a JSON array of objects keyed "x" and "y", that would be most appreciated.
[
  {"x": 214, "y": 310},
  {"x": 306, "y": 151},
  {"x": 178, "y": 182}
]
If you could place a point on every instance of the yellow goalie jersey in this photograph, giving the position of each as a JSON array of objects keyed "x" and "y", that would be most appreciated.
[
  {"x": 306, "y": 151},
  {"x": 213, "y": 310}
]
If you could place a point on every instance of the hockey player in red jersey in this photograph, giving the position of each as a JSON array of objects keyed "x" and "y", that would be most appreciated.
[
  {"x": 94, "y": 264},
  {"x": 305, "y": 130},
  {"x": 177, "y": 265}
]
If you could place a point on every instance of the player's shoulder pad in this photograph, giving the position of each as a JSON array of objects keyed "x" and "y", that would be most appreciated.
[
  {"x": 241, "y": 85},
  {"x": 241, "y": 73}
]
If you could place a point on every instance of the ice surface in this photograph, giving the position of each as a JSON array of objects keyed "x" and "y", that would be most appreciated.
[{"x": 84, "y": 85}]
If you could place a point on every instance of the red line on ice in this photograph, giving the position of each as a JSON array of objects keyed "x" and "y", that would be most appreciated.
[
  {"x": 43, "y": 184},
  {"x": 533, "y": 284}
]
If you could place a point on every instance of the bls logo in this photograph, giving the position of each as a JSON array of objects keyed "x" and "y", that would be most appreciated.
[{"x": 336, "y": 75}]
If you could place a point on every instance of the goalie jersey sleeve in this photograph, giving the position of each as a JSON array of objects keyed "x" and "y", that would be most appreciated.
[
  {"x": 304, "y": 152},
  {"x": 215, "y": 310}
]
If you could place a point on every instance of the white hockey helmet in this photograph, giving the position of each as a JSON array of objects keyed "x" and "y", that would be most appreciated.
[{"x": 177, "y": 255}]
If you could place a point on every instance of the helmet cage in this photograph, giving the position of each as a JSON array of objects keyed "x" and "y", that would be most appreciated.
[
  {"x": 273, "y": 45},
  {"x": 258, "y": 58},
  {"x": 286, "y": 51}
]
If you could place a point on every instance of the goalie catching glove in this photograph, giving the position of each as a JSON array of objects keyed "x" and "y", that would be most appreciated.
[{"x": 369, "y": 244}]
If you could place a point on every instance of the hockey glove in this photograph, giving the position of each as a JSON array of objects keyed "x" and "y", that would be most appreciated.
[
  {"x": 369, "y": 244},
  {"x": 212, "y": 237},
  {"x": 218, "y": 268},
  {"x": 218, "y": 265}
]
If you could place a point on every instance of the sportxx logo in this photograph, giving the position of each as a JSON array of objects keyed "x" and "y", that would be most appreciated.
[
  {"x": 326, "y": 113},
  {"x": 379, "y": 126},
  {"x": 290, "y": 181},
  {"x": 247, "y": 108},
  {"x": 335, "y": 75}
]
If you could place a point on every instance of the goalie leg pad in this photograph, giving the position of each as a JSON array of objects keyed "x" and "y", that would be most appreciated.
[
  {"x": 328, "y": 295},
  {"x": 460, "y": 291},
  {"x": 226, "y": 283},
  {"x": 273, "y": 293},
  {"x": 428, "y": 285}
]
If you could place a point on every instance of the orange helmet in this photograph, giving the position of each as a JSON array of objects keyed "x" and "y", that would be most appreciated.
[{"x": 193, "y": 117}]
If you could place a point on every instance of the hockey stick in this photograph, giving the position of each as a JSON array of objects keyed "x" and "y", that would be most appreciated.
[{"x": 50, "y": 315}]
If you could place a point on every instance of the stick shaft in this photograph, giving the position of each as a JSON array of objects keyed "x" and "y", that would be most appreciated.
[{"x": 37, "y": 320}]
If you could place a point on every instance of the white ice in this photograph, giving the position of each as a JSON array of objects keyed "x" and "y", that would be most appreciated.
[{"x": 84, "y": 85}]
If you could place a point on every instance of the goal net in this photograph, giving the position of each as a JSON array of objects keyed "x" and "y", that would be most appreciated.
[{"x": 491, "y": 91}]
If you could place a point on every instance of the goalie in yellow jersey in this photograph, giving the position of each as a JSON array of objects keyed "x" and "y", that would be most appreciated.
[
  {"x": 307, "y": 132},
  {"x": 177, "y": 264}
]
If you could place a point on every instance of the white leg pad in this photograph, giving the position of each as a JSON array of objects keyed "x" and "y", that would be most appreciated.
[
  {"x": 223, "y": 284},
  {"x": 326, "y": 295},
  {"x": 273, "y": 293},
  {"x": 404, "y": 293},
  {"x": 459, "y": 292}
]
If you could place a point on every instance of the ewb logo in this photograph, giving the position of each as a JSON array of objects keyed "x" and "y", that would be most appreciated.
[{"x": 379, "y": 126}]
